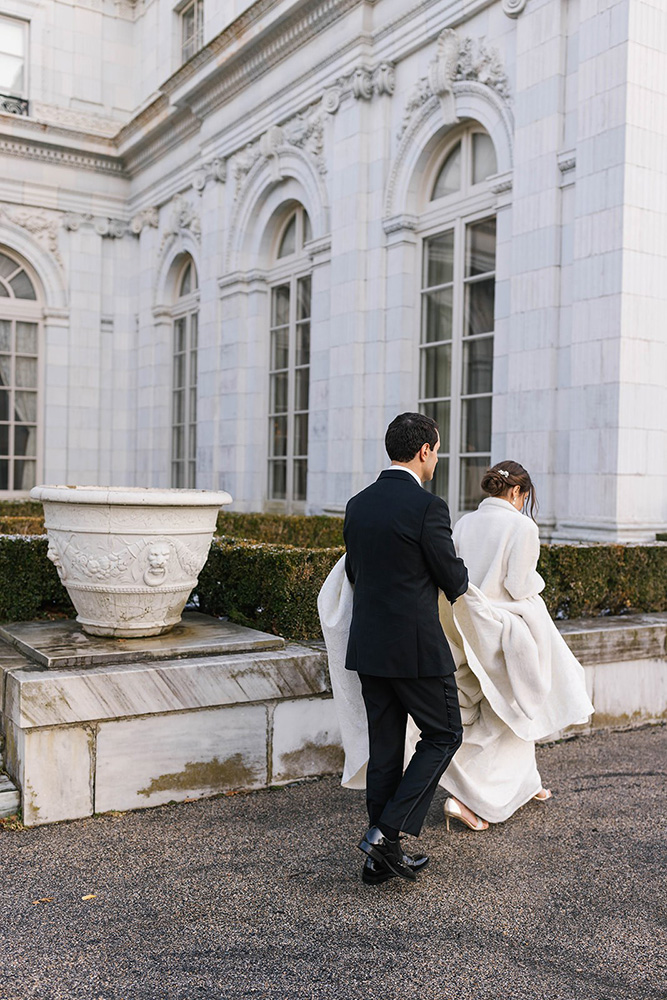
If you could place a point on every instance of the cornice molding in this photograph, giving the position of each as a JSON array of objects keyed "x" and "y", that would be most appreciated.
[{"x": 31, "y": 150}]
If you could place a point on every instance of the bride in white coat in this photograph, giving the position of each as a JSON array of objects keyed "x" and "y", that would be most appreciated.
[{"x": 517, "y": 679}]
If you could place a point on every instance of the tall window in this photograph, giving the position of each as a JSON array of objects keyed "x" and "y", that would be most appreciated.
[
  {"x": 192, "y": 28},
  {"x": 19, "y": 348},
  {"x": 184, "y": 393},
  {"x": 13, "y": 69},
  {"x": 456, "y": 344},
  {"x": 289, "y": 366}
]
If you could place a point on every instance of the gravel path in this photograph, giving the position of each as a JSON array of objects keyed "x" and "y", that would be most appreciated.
[{"x": 259, "y": 896}]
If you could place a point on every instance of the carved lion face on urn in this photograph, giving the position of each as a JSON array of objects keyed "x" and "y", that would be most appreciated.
[{"x": 158, "y": 557}]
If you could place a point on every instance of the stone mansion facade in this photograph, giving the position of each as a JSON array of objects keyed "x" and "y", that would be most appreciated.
[{"x": 237, "y": 238}]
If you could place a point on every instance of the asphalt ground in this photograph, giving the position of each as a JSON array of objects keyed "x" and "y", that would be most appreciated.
[{"x": 259, "y": 896}]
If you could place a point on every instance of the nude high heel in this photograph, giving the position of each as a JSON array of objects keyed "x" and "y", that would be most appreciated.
[
  {"x": 453, "y": 811},
  {"x": 543, "y": 795}
]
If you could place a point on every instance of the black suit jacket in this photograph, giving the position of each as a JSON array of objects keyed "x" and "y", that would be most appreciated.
[{"x": 399, "y": 554}]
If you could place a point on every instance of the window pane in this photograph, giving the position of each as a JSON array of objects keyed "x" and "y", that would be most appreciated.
[
  {"x": 4, "y": 475},
  {"x": 25, "y": 407},
  {"x": 193, "y": 368},
  {"x": 300, "y": 479},
  {"x": 25, "y": 440},
  {"x": 26, "y": 372},
  {"x": 437, "y": 319},
  {"x": 436, "y": 371},
  {"x": 279, "y": 348},
  {"x": 179, "y": 336},
  {"x": 280, "y": 306},
  {"x": 307, "y": 228},
  {"x": 303, "y": 298},
  {"x": 301, "y": 434},
  {"x": 4, "y": 294},
  {"x": 11, "y": 73},
  {"x": 480, "y": 304},
  {"x": 470, "y": 492},
  {"x": 192, "y": 475},
  {"x": 24, "y": 475},
  {"x": 178, "y": 475},
  {"x": 440, "y": 413},
  {"x": 193, "y": 406},
  {"x": 481, "y": 248},
  {"x": 179, "y": 407},
  {"x": 5, "y": 344},
  {"x": 177, "y": 442},
  {"x": 440, "y": 259},
  {"x": 7, "y": 265},
  {"x": 288, "y": 241},
  {"x": 26, "y": 338},
  {"x": 22, "y": 286},
  {"x": 192, "y": 440},
  {"x": 440, "y": 482},
  {"x": 449, "y": 178},
  {"x": 194, "y": 331},
  {"x": 278, "y": 437},
  {"x": 483, "y": 157},
  {"x": 278, "y": 402},
  {"x": 277, "y": 480},
  {"x": 476, "y": 424},
  {"x": 179, "y": 370},
  {"x": 301, "y": 386},
  {"x": 4, "y": 439},
  {"x": 478, "y": 366},
  {"x": 302, "y": 344},
  {"x": 186, "y": 281},
  {"x": 4, "y": 403}
]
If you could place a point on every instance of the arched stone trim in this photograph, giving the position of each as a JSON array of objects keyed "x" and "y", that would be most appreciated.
[
  {"x": 288, "y": 175},
  {"x": 39, "y": 261},
  {"x": 176, "y": 246},
  {"x": 473, "y": 100}
]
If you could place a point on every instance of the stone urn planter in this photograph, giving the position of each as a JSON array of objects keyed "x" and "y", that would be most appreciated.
[{"x": 128, "y": 557}]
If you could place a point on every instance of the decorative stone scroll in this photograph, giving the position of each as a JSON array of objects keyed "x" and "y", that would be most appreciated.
[
  {"x": 183, "y": 218},
  {"x": 148, "y": 217},
  {"x": 457, "y": 59},
  {"x": 305, "y": 131},
  {"x": 513, "y": 7},
  {"x": 363, "y": 84},
  {"x": 212, "y": 170},
  {"x": 42, "y": 226},
  {"x": 112, "y": 228}
]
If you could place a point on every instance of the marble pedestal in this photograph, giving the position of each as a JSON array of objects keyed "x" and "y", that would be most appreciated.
[{"x": 94, "y": 724}]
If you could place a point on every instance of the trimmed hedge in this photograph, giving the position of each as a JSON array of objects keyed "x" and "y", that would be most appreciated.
[
  {"x": 31, "y": 525},
  {"x": 310, "y": 532},
  {"x": 270, "y": 587},
  {"x": 29, "y": 583}
]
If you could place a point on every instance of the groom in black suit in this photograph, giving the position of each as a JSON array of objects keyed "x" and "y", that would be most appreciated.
[{"x": 399, "y": 554}]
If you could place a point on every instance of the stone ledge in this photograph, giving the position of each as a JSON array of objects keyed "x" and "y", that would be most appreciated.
[
  {"x": 43, "y": 698},
  {"x": 62, "y": 644},
  {"x": 616, "y": 639}
]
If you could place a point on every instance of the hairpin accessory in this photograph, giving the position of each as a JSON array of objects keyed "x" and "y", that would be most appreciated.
[{"x": 504, "y": 473}]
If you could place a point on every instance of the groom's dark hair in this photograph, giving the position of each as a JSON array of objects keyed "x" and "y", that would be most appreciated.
[{"x": 407, "y": 433}]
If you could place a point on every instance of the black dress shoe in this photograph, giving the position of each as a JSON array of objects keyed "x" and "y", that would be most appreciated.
[
  {"x": 375, "y": 874},
  {"x": 387, "y": 853}
]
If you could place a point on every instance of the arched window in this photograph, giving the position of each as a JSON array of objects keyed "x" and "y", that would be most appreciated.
[
  {"x": 289, "y": 366},
  {"x": 457, "y": 309},
  {"x": 184, "y": 392},
  {"x": 20, "y": 320}
]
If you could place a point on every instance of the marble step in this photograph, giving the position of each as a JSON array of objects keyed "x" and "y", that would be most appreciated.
[{"x": 10, "y": 797}]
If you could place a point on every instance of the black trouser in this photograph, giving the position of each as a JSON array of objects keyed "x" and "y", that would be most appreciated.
[{"x": 396, "y": 799}]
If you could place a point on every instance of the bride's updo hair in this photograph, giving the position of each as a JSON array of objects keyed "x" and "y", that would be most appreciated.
[{"x": 503, "y": 476}]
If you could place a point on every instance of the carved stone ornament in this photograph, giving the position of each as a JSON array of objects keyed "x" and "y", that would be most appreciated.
[
  {"x": 513, "y": 7},
  {"x": 40, "y": 225},
  {"x": 112, "y": 228},
  {"x": 442, "y": 72},
  {"x": 305, "y": 131},
  {"x": 212, "y": 170},
  {"x": 384, "y": 79},
  {"x": 331, "y": 100},
  {"x": 149, "y": 217},
  {"x": 182, "y": 218},
  {"x": 457, "y": 59},
  {"x": 362, "y": 84},
  {"x": 129, "y": 558}
]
